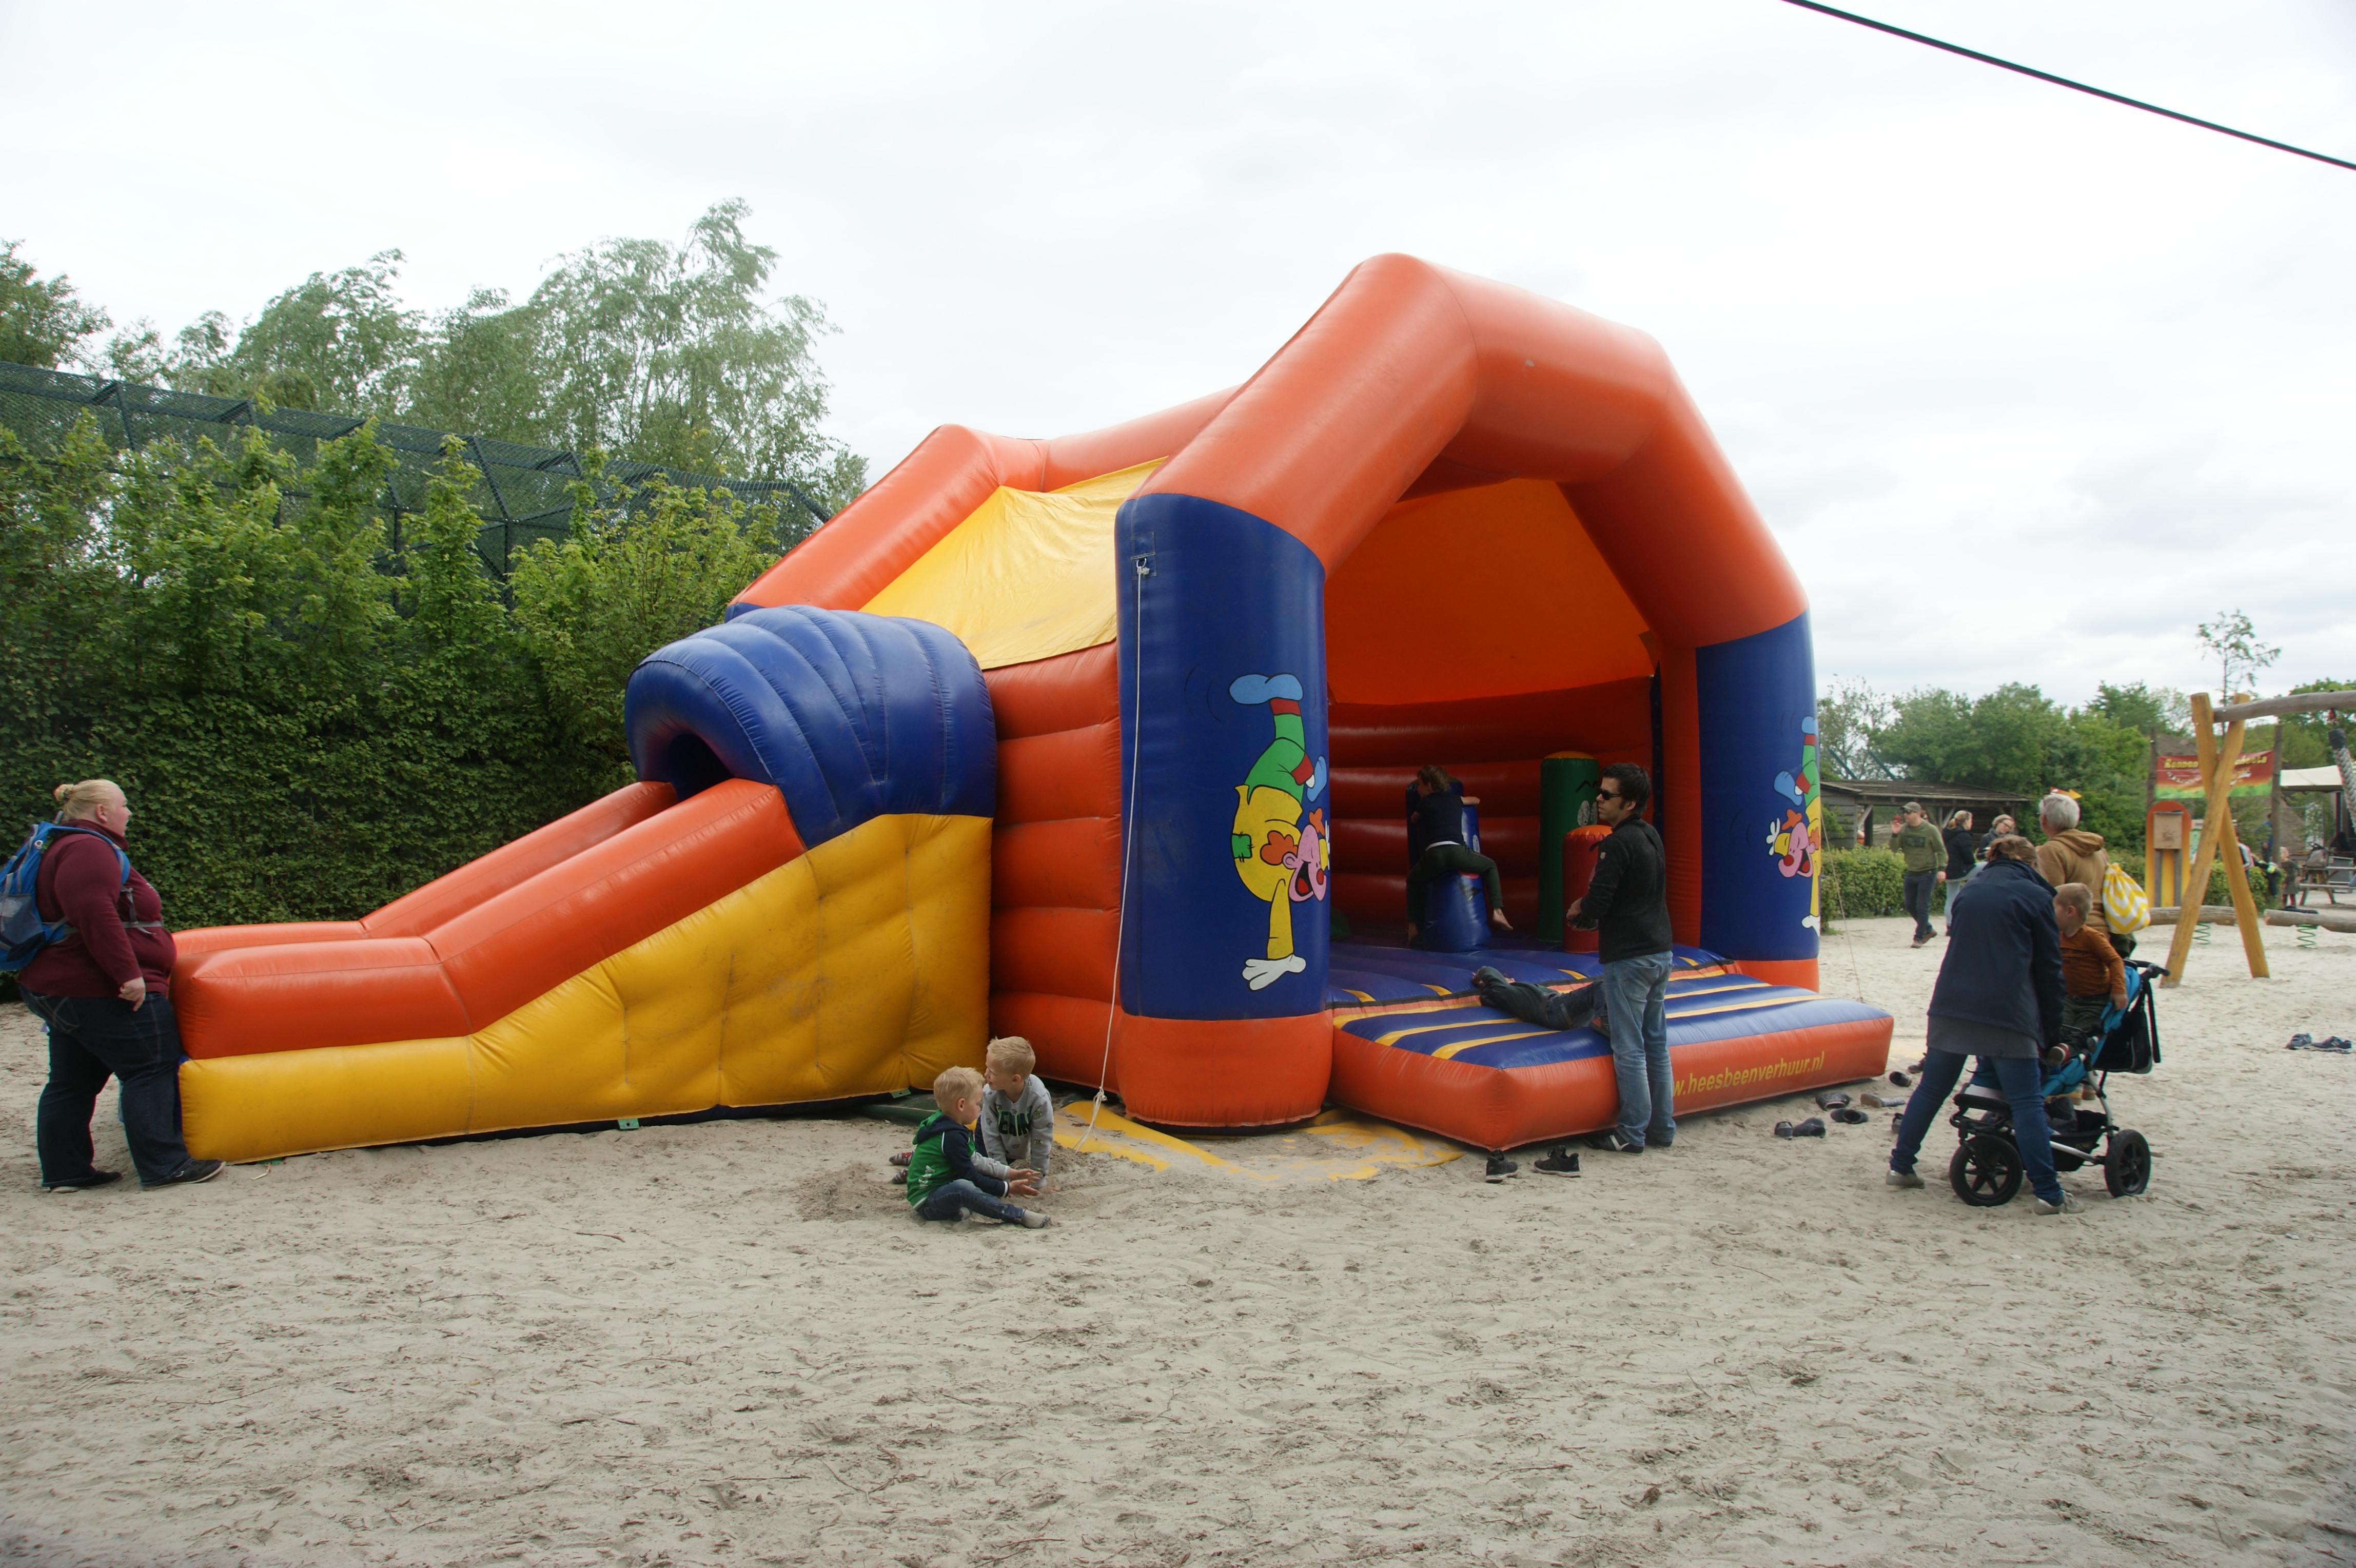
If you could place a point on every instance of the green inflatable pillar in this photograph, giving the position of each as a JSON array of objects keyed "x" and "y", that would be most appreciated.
[{"x": 1567, "y": 781}]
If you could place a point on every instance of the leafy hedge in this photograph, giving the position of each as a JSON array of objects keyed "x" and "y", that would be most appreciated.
[
  {"x": 1859, "y": 884},
  {"x": 311, "y": 719}
]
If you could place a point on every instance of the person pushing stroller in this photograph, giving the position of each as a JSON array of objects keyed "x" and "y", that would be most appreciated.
[{"x": 1999, "y": 998}]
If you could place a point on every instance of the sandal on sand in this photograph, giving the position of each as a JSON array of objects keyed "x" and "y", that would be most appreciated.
[
  {"x": 1813, "y": 1127},
  {"x": 1831, "y": 1101},
  {"x": 1849, "y": 1118}
]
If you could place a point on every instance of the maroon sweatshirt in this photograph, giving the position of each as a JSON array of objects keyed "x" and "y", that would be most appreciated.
[{"x": 81, "y": 881}]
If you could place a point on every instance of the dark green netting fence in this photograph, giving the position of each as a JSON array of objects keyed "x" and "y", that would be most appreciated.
[{"x": 524, "y": 491}]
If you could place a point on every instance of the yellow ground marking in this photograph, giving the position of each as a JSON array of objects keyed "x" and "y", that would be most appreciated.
[{"x": 1347, "y": 1147}]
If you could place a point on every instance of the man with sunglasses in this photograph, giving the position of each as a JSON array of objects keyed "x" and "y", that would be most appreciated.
[{"x": 1627, "y": 905}]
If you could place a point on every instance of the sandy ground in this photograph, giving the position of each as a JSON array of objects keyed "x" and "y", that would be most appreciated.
[{"x": 727, "y": 1344}]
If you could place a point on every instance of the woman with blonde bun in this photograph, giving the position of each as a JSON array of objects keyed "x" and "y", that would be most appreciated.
[{"x": 103, "y": 989}]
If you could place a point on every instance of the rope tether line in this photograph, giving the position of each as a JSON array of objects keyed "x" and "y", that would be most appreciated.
[{"x": 1128, "y": 853}]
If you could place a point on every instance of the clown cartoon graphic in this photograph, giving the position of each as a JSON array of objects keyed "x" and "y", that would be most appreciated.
[
  {"x": 1794, "y": 837},
  {"x": 1280, "y": 856}
]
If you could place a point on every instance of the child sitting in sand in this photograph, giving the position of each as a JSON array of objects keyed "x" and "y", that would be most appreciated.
[
  {"x": 946, "y": 1178},
  {"x": 1018, "y": 1120},
  {"x": 2093, "y": 975}
]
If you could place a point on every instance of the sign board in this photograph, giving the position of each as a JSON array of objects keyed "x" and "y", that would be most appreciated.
[
  {"x": 2179, "y": 777},
  {"x": 2168, "y": 829}
]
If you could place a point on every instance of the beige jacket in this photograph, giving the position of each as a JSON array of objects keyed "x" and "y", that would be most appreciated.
[{"x": 2077, "y": 856}]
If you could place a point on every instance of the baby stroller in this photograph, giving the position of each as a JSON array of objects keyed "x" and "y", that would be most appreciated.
[{"x": 1986, "y": 1170}]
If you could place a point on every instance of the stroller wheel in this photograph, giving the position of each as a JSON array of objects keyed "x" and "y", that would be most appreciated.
[
  {"x": 1985, "y": 1171},
  {"x": 2127, "y": 1170}
]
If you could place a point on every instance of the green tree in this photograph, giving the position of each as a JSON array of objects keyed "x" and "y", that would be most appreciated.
[
  {"x": 337, "y": 342},
  {"x": 43, "y": 321},
  {"x": 2231, "y": 640},
  {"x": 2146, "y": 710},
  {"x": 2301, "y": 735},
  {"x": 1848, "y": 715},
  {"x": 1997, "y": 741},
  {"x": 648, "y": 570}
]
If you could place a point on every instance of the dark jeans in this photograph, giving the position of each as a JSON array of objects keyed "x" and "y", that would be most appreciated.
[
  {"x": 2082, "y": 1018},
  {"x": 1918, "y": 899},
  {"x": 1450, "y": 860},
  {"x": 952, "y": 1199},
  {"x": 2020, "y": 1078},
  {"x": 92, "y": 1039},
  {"x": 1573, "y": 1009}
]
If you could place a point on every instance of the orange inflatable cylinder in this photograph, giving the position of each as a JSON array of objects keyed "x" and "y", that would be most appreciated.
[
  {"x": 1578, "y": 850},
  {"x": 243, "y": 1001}
]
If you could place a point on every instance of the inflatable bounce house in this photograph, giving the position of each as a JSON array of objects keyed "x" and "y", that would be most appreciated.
[{"x": 1101, "y": 740}]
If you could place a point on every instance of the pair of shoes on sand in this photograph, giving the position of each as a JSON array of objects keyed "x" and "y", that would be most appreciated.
[
  {"x": 1813, "y": 1127},
  {"x": 2331, "y": 1043},
  {"x": 1560, "y": 1161},
  {"x": 1837, "y": 1104}
]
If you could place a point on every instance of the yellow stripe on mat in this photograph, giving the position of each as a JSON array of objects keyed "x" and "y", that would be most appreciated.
[{"x": 1736, "y": 1007}]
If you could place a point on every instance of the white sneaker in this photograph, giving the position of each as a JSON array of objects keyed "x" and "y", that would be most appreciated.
[
  {"x": 1901, "y": 1178},
  {"x": 1033, "y": 1220},
  {"x": 2068, "y": 1205}
]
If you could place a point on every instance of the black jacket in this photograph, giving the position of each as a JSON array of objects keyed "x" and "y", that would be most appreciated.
[
  {"x": 2003, "y": 965},
  {"x": 1627, "y": 900},
  {"x": 1959, "y": 854}
]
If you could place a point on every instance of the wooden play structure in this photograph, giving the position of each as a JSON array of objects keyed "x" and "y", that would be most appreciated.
[{"x": 2217, "y": 759}]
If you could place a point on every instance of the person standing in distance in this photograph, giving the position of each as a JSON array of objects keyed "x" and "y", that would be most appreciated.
[
  {"x": 105, "y": 992},
  {"x": 1627, "y": 905},
  {"x": 1926, "y": 867}
]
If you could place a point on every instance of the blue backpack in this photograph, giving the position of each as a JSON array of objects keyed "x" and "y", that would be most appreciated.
[{"x": 23, "y": 932}]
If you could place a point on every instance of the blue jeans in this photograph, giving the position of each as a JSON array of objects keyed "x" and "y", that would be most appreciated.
[
  {"x": 952, "y": 1199},
  {"x": 1918, "y": 899},
  {"x": 1635, "y": 996},
  {"x": 2020, "y": 1078},
  {"x": 92, "y": 1039}
]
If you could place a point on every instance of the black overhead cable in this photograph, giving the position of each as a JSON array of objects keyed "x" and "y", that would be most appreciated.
[{"x": 2065, "y": 81}]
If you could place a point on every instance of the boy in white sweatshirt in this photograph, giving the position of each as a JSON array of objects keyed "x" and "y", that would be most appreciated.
[{"x": 1018, "y": 1120}]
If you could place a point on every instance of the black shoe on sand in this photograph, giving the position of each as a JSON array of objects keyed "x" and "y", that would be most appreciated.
[
  {"x": 1813, "y": 1127},
  {"x": 188, "y": 1174},
  {"x": 1500, "y": 1167},
  {"x": 1560, "y": 1161},
  {"x": 1613, "y": 1141}
]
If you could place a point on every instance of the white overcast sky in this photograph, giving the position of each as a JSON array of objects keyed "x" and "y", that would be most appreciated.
[{"x": 2027, "y": 383}]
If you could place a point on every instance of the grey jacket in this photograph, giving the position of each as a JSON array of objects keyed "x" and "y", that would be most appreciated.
[{"x": 1021, "y": 1131}]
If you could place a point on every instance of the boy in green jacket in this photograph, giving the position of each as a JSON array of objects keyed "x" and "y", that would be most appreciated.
[{"x": 946, "y": 1178}]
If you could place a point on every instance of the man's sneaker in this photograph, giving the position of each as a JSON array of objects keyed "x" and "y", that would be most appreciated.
[
  {"x": 1901, "y": 1178},
  {"x": 1034, "y": 1220},
  {"x": 83, "y": 1184},
  {"x": 188, "y": 1174},
  {"x": 1500, "y": 1167},
  {"x": 1614, "y": 1141},
  {"x": 2068, "y": 1205},
  {"x": 1560, "y": 1161}
]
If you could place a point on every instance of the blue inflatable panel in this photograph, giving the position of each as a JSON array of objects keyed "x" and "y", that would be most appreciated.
[
  {"x": 1375, "y": 968},
  {"x": 850, "y": 716},
  {"x": 1701, "y": 1008}
]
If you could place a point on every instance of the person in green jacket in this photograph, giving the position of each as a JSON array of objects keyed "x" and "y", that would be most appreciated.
[
  {"x": 946, "y": 1178},
  {"x": 1926, "y": 867}
]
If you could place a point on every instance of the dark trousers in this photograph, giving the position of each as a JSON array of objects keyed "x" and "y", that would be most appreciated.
[
  {"x": 2020, "y": 1078},
  {"x": 2082, "y": 1018},
  {"x": 1450, "y": 860},
  {"x": 1573, "y": 1009},
  {"x": 92, "y": 1039},
  {"x": 1918, "y": 899},
  {"x": 952, "y": 1199}
]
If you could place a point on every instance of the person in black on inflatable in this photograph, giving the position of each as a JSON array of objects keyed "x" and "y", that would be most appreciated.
[{"x": 1435, "y": 805}]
